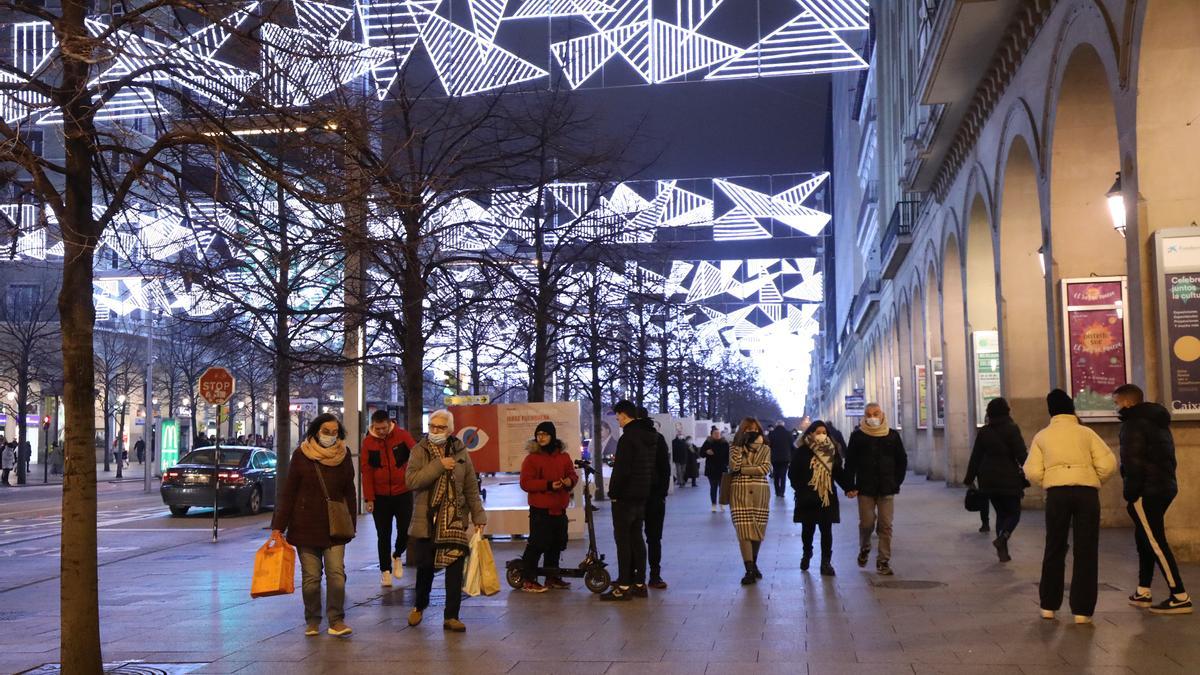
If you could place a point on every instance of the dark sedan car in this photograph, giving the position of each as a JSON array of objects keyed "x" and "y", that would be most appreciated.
[{"x": 245, "y": 477}]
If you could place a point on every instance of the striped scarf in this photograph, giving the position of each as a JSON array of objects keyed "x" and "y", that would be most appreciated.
[
  {"x": 822, "y": 469},
  {"x": 450, "y": 538}
]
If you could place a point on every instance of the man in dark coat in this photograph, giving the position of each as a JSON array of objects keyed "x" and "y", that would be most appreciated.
[
  {"x": 656, "y": 504},
  {"x": 1148, "y": 470},
  {"x": 716, "y": 462},
  {"x": 781, "y": 455},
  {"x": 628, "y": 489},
  {"x": 875, "y": 465},
  {"x": 680, "y": 449}
]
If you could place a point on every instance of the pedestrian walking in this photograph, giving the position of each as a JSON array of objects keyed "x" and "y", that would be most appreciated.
[
  {"x": 628, "y": 489},
  {"x": 995, "y": 463},
  {"x": 680, "y": 448},
  {"x": 750, "y": 493},
  {"x": 816, "y": 472},
  {"x": 384, "y": 463},
  {"x": 1148, "y": 470},
  {"x": 139, "y": 449},
  {"x": 548, "y": 475},
  {"x": 446, "y": 503},
  {"x": 8, "y": 462},
  {"x": 25, "y": 454},
  {"x": 781, "y": 441},
  {"x": 693, "y": 462},
  {"x": 1071, "y": 462},
  {"x": 656, "y": 503},
  {"x": 875, "y": 466},
  {"x": 320, "y": 471},
  {"x": 716, "y": 463}
]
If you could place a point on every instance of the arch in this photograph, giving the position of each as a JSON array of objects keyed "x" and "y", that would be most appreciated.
[
  {"x": 934, "y": 349},
  {"x": 982, "y": 316},
  {"x": 919, "y": 354},
  {"x": 954, "y": 361}
]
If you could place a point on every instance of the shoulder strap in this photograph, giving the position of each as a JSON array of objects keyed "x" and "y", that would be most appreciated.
[{"x": 321, "y": 480}]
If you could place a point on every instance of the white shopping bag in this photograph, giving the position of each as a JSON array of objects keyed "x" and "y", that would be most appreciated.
[{"x": 473, "y": 578}]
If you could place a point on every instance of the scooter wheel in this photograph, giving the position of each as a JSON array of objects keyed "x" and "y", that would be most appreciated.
[
  {"x": 597, "y": 580},
  {"x": 514, "y": 577}
]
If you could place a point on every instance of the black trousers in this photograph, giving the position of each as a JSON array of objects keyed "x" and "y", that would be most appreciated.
[
  {"x": 454, "y": 582},
  {"x": 656, "y": 513},
  {"x": 714, "y": 484},
  {"x": 1152, "y": 547},
  {"x": 547, "y": 538},
  {"x": 808, "y": 529},
  {"x": 1008, "y": 512},
  {"x": 628, "y": 517},
  {"x": 985, "y": 516},
  {"x": 5, "y": 477},
  {"x": 1071, "y": 509},
  {"x": 779, "y": 475},
  {"x": 389, "y": 508}
]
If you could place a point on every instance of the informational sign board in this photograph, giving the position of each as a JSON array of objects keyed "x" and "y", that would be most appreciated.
[
  {"x": 1177, "y": 257},
  {"x": 921, "y": 380},
  {"x": 1097, "y": 342},
  {"x": 856, "y": 405},
  {"x": 482, "y": 399},
  {"x": 939, "y": 393},
  {"x": 496, "y": 435},
  {"x": 168, "y": 443},
  {"x": 986, "y": 352}
]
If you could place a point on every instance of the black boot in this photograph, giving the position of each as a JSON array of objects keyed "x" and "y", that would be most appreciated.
[
  {"x": 1001, "y": 544},
  {"x": 827, "y": 569},
  {"x": 749, "y": 578},
  {"x": 805, "y": 560}
]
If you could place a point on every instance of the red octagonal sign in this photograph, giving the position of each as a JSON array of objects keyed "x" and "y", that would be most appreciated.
[{"x": 216, "y": 385}]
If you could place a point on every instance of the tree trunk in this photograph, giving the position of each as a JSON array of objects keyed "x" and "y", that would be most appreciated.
[
  {"x": 597, "y": 442},
  {"x": 79, "y": 612},
  {"x": 541, "y": 355},
  {"x": 413, "y": 317},
  {"x": 283, "y": 404},
  {"x": 22, "y": 427},
  {"x": 105, "y": 399}
]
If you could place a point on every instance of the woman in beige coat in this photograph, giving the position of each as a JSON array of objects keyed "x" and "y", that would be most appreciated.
[{"x": 750, "y": 496}]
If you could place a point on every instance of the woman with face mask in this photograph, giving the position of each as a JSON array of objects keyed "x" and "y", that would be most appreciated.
[
  {"x": 750, "y": 497},
  {"x": 815, "y": 473},
  {"x": 875, "y": 468},
  {"x": 320, "y": 466}
]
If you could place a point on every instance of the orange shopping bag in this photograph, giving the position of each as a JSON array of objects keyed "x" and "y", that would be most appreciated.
[{"x": 274, "y": 569}]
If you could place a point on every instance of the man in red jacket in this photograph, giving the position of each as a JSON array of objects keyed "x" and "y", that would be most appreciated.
[
  {"x": 547, "y": 474},
  {"x": 384, "y": 459}
]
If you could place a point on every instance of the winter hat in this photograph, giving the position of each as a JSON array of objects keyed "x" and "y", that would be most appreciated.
[
  {"x": 1059, "y": 403},
  {"x": 997, "y": 408},
  {"x": 547, "y": 427}
]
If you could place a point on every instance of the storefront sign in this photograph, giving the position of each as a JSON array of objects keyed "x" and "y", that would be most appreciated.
[
  {"x": 922, "y": 381},
  {"x": 939, "y": 394},
  {"x": 168, "y": 435},
  {"x": 1097, "y": 339},
  {"x": 986, "y": 350},
  {"x": 1178, "y": 270}
]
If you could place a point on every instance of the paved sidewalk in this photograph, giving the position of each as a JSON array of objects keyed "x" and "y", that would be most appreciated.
[{"x": 950, "y": 608}]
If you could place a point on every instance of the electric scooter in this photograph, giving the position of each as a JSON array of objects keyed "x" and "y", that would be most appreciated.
[{"x": 593, "y": 568}]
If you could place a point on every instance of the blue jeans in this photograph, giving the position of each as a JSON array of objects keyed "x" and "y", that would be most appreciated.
[{"x": 333, "y": 561}]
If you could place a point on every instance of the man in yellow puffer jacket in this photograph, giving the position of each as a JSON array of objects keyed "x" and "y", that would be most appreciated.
[{"x": 1070, "y": 462}]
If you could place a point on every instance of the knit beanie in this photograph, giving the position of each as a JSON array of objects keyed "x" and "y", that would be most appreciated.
[
  {"x": 997, "y": 408},
  {"x": 547, "y": 427},
  {"x": 1059, "y": 403}
]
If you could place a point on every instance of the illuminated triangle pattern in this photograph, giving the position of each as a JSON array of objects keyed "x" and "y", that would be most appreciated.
[
  {"x": 804, "y": 46},
  {"x": 468, "y": 64}
]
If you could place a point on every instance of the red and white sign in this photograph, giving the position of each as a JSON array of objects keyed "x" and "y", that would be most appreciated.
[{"x": 216, "y": 385}]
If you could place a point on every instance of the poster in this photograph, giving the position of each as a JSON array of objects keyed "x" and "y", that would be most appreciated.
[
  {"x": 898, "y": 401},
  {"x": 922, "y": 382},
  {"x": 1096, "y": 342},
  {"x": 939, "y": 394},
  {"x": 1178, "y": 257},
  {"x": 986, "y": 352},
  {"x": 856, "y": 404},
  {"x": 496, "y": 435}
]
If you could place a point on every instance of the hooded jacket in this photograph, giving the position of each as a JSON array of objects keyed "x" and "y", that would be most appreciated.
[
  {"x": 1068, "y": 453},
  {"x": 540, "y": 469},
  {"x": 997, "y": 457},
  {"x": 634, "y": 462},
  {"x": 1147, "y": 452},
  {"x": 383, "y": 463}
]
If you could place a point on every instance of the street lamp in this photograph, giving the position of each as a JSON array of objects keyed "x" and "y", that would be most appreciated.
[{"x": 1116, "y": 205}]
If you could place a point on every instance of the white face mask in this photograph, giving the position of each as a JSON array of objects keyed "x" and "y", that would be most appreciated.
[
  {"x": 820, "y": 438},
  {"x": 327, "y": 440},
  {"x": 874, "y": 421},
  {"x": 439, "y": 438}
]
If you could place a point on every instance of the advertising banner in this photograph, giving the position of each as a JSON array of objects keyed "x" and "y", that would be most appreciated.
[
  {"x": 921, "y": 379},
  {"x": 168, "y": 443},
  {"x": 939, "y": 393},
  {"x": 496, "y": 435},
  {"x": 986, "y": 350},
  {"x": 1097, "y": 338},
  {"x": 1178, "y": 270}
]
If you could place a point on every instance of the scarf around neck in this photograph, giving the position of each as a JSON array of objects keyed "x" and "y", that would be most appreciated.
[
  {"x": 331, "y": 456},
  {"x": 879, "y": 431},
  {"x": 822, "y": 467},
  {"x": 449, "y": 534}
]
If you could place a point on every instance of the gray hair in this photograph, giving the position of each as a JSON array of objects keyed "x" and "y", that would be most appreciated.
[{"x": 446, "y": 414}]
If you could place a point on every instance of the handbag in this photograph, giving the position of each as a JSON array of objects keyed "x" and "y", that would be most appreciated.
[
  {"x": 726, "y": 488},
  {"x": 274, "y": 569},
  {"x": 341, "y": 525},
  {"x": 974, "y": 501}
]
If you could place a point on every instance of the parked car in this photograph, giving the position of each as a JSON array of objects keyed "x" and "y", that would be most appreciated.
[{"x": 245, "y": 478}]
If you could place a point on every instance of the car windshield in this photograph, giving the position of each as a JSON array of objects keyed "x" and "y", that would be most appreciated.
[{"x": 205, "y": 456}]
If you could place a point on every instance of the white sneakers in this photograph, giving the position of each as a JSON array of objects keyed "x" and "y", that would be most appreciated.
[
  {"x": 385, "y": 579},
  {"x": 714, "y": 508},
  {"x": 397, "y": 567}
]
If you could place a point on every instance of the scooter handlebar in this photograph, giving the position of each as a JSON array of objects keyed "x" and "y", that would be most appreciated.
[{"x": 587, "y": 468}]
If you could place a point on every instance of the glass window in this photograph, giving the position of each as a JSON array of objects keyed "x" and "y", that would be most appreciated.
[
  {"x": 232, "y": 458},
  {"x": 22, "y": 300}
]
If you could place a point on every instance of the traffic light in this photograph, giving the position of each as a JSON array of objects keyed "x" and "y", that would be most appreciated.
[{"x": 46, "y": 422}]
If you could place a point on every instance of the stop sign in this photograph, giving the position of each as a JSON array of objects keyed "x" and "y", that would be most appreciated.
[{"x": 216, "y": 385}]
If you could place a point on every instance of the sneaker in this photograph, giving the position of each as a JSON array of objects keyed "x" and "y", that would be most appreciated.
[
  {"x": 385, "y": 579},
  {"x": 312, "y": 629},
  {"x": 827, "y": 570},
  {"x": 714, "y": 508},
  {"x": 397, "y": 567},
  {"x": 556, "y": 584},
  {"x": 658, "y": 584},
  {"x": 749, "y": 578},
  {"x": 1141, "y": 600},
  {"x": 1001, "y": 544},
  {"x": 1082, "y": 620},
  {"x": 617, "y": 594},
  {"x": 454, "y": 626},
  {"x": 1173, "y": 605},
  {"x": 863, "y": 556},
  {"x": 339, "y": 629},
  {"x": 883, "y": 569},
  {"x": 533, "y": 587},
  {"x": 721, "y": 507},
  {"x": 639, "y": 591},
  {"x": 414, "y": 617},
  {"x": 1047, "y": 614}
]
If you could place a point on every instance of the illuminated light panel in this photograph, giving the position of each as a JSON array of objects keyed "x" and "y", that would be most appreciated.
[
  {"x": 738, "y": 225},
  {"x": 395, "y": 27},
  {"x": 804, "y": 46},
  {"x": 693, "y": 13},
  {"x": 320, "y": 18},
  {"x": 760, "y": 205},
  {"x": 468, "y": 64},
  {"x": 549, "y": 9},
  {"x": 840, "y": 14},
  {"x": 301, "y": 67},
  {"x": 32, "y": 44},
  {"x": 485, "y": 15},
  {"x": 679, "y": 51},
  {"x": 811, "y": 289},
  {"x": 207, "y": 41},
  {"x": 582, "y": 57}
]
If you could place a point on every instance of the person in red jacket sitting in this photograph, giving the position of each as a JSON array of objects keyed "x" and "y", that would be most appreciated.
[
  {"x": 547, "y": 474},
  {"x": 384, "y": 458}
]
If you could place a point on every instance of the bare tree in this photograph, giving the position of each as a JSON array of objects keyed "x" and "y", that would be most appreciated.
[{"x": 28, "y": 355}]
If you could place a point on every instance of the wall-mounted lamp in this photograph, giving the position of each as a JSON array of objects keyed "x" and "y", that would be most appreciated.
[{"x": 1116, "y": 205}]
